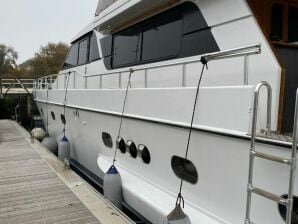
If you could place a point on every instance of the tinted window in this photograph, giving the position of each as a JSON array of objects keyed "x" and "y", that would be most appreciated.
[
  {"x": 63, "y": 119},
  {"x": 53, "y": 115},
  {"x": 107, "y": 139},
  {"x": 293, "y": 26},
  {"x": 276, "y": 22},
  {"x": 179, "y": 32},
  {"x": 127, "y": 46},
  {"x": 72, "y": 57},
  {"x": 94, "y": 52},
  {"x": 184, "y": 169},
  {"x": 162, "y": 38},
  {"x": 83, "y": 52}
]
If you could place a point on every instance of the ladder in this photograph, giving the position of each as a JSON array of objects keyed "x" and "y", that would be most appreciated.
[{"x": 291, "y": 162}]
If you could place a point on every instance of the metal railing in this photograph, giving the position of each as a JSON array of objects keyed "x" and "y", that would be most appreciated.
[
  {"x": 14, "y": 85},
  {"x": 246, "y": 51},
  {"x": 291, "y": 162}
]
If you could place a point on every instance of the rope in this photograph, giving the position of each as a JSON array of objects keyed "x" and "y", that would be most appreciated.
[
  {"x": 123, "y": 108},
  {"x": 180, "y": 197},
  {"x": 65, "y": 100}
]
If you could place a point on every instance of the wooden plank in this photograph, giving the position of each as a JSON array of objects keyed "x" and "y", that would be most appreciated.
[{"x": 36, "y": 188}]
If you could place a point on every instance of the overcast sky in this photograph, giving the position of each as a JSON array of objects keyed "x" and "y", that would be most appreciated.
[{"x": 28, "y": 24}]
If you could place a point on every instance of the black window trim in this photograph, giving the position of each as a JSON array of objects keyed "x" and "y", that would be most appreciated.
[
  {"x": 78, "y": 41},
  {"x": 87, "y": 53},
  {"x": 160, "y": 59}
]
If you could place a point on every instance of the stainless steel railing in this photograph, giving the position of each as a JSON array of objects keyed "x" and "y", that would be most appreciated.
[{"x": 245, "y": 52}]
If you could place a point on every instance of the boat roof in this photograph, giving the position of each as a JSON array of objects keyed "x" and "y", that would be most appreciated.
[{"x": 84, "y": 31}]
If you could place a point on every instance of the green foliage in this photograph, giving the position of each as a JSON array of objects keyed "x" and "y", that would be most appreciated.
[
  {"x": 47, "y": 61},
  {"x": 8, "y": 58}
]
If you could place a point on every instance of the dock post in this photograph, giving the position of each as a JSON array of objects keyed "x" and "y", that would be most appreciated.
[{"x": 28, "y": 102}]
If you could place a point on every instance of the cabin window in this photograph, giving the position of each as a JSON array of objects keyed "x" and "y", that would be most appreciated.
[
  {"x": 107, "y": 139},
  {"x": 127, "y": 47},
  {"x": 293, "y": 26},
  {"x": 276, "y": 22},
  {"x": 184, "y": 169},
  {"x": 63, "y": 120},
  {"x": 53, "y": 115},
  {"x": 83, "y": 52},
  {"x": 94, "y": 51},
  {"x": 179, "y": 32},
  {"x": 72, "y": 57}
]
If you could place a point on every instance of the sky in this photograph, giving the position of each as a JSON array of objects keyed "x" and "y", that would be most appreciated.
[{"x": 27, "y": 24}]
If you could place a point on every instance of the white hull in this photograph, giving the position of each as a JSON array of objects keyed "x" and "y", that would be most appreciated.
[{"x": 222, "y": 163}]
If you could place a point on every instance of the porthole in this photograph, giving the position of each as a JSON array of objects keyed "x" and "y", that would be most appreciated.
[
  {"x": 63, "y": 119},
  {"x": 120, "y": 144},
  {"x": 144, "y": 153},
  {"x": 41, "y": 111},
  {"x": 283, "y": 210},
  {"x": 131, "y": 146},
  {"x": 184, "y": 169},
  {"x": 107, "y": 139},
  {"x": 53, "y": 115}
]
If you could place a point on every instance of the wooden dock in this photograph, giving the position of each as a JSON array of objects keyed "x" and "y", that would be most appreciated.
[{"x": 36, "y": 188}]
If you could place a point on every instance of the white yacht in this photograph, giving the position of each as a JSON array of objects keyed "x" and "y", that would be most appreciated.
[{"x": 137, "y": 66}]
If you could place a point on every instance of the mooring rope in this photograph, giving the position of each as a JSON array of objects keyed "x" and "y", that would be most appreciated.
[
  {"x": 180, "y": 197},
  {"x": 65, "y": 100},
  {"x": 123, "y": 108}
]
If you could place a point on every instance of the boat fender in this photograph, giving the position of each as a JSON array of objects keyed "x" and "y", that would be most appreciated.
[
  {"x": 50, "y": 143},
  {"x": 38, "y": 133},
  {"x": 112, "y": 186},
  {"x": 64, "y": 149},
  {"x": 177, "y": 216}
]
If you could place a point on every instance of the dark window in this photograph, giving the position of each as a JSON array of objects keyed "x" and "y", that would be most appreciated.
[
  {"x": 184, "y": 169},
  {"x": 179, "y": 32},
  {"x": 145, "y": 154},
  {"x": 120, "y": 144},
  {"x": 63, "y": 119},
  {"x": 53, "y": 115},
  {"x": 162, "y": 38},
  {"x": 107, "y": 139},
  {"x": 94, "y": 52},
  {"x": 131, "y": 146},
  {"x": 72, "y": 57},
  {"x": 83, "y": 52},
  {"x": 293, "y": 24},
  {"x": 127, "y": 46},
  {"x": 276, "y": 22}
]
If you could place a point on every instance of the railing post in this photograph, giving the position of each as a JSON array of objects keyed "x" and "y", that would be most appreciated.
[
  {"x": 85, "y": 77},
  {"x": 120, "y": 83},
  {"x": 183, "y": 75},
  {"x": 245, "y": 78},
  {"x": 100, "y": 81},
  {"x": 74, "y": 80},
  {"x": 146, "y": 78}
]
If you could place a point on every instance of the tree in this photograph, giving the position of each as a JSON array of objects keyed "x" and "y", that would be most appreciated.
[
  {"x": 47, "y": 61},
  {"x": 8, "y": 58}
]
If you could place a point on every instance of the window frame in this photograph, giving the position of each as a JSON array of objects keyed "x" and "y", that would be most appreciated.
[
  {"x": 87, "y": 52},
  {"x": 180, "y": 13},
  {"x": 285, "y": 19}
]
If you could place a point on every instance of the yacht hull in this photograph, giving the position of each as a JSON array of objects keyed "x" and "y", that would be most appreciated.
[{"x": 221, "y": 161}]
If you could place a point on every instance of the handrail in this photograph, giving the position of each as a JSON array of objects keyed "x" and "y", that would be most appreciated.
[
  {"x": 231, "y": 53},
  {"x": 294, "y": 158},
  {"x": 255, "y": 110}
]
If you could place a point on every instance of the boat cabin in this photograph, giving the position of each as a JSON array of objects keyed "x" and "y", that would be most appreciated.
[{"x": 278, "y": 20}]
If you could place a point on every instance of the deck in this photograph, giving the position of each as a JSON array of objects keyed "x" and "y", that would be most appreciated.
[{"x": 35, "y": 187}]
